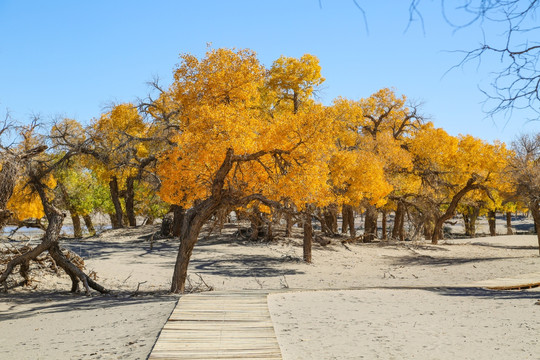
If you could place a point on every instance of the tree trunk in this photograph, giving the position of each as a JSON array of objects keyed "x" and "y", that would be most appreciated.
[
  {"x": 288, "y": 224},
  {"x": 77, "y": 229},
  {"x": 194, "y": 220},
  {"x": 130, "y": 201},
  {"x": 330, "y": 217},
  {"x": 115, "y": 197},
  {"x": 178, "y": 218},
  {"x": 89, "y": 224},
  {"x": 308, "y": 237},
  {"x": 470, "y": 215},
  {"x": 8, "y": 178},
  {"x": 399, "y": 222},
  {"x": 256, "y": 223},
  {"x": 370, "y": 223},
  {"x": 49, "y": 243},
  {"x": 344, "y": 220},
  {"x": 450, "y": 211},
  {"x": 348, "y": 220},
  {"x": 384, "y": 225},
  {"x": 491, "y": 221},
  {"x": 509, "y": 223},
  {"x": 535, "y": 211},
  {"x": 114, "y": 223}
]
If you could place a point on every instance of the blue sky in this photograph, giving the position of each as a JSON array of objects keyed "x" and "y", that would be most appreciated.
[{"x": 74, "y": 58}]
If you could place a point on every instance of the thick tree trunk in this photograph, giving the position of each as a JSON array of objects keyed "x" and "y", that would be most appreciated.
[
  {"x": 330, "y": 218},
  {"x": 194, "y": 220},
  {"x": 89, "y": 224},
  {"x": 509, "y": 223},
  {"x": 178, "y": 218},
  {"x": 115, "y": 197},
  {"x": 398, "y": 231},
  {"x": 348, "y": 220},
  {"x": 370, "y": 224},
  {"x": 77, "y": 229},
  {"x": 114, "y": 223},
  {"x": 256, "y": 224},
  {"x": 469, "y": 218},
  {"x": 344, "y": 220},
  {"x": 491, "y": 221},
  {"x": 130, "y": 201},
  {"x": 308, "y": 237}
]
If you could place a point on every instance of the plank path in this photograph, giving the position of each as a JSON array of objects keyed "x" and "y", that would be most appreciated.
[{"x": 219, "y": 325}]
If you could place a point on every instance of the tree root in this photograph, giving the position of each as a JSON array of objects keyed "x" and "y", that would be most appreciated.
[{"x": 73, "y": 266}]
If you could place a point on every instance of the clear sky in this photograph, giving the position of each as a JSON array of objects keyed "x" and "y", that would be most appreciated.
[{"x": 74, "y": 58}]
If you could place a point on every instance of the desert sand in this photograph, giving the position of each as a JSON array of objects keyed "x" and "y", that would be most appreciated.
[{"x": 410, "y": 299}]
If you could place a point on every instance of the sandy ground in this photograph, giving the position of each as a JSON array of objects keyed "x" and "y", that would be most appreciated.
[
  {"x": 47, "y": 322},
  {"x": 435, "y": 323}
]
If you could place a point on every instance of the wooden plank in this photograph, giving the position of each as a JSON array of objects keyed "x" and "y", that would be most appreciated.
[
  {"x": 524, "y": 281},
  {"x": 219, "y": 326}
]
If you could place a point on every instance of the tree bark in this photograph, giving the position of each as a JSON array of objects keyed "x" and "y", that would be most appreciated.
[
  {"x": 348, "y": 220},
  {"x": 288, "y": 224},
  {"x": 470, "y": 215},
  {"x": 194, "y": 220},
  {"x": 308, "y": 237},
  {"x": 344, "y": 219},
  {"x": 534, "y": 207},
  {"x": 370, "y": 223},
  {"x": 383, "y": 224},
  {"x": 509, "y": 223},
  {"x": 130, "y": 201},
  {"x": 77, "y": 229},
  {"x": 89, "y": 224},
  {"x": 398, "y": 232},
  {"x": 492, "y": 223},
  {"x": 178, "y": 218},
  {"x": 115, "y": 197}
]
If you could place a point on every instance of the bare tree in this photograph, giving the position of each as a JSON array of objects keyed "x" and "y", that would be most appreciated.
[
  {"x": 526, "y": 174},
  {"x": 36, "y": 165}
]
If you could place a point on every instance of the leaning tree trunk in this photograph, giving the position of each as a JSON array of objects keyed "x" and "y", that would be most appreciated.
[
  {"x": 308, "y": 237},
  {"x": 77, "y": 229},
  {"x": 130, "y": 201},
  {"x": 450, "y": 211},
  {"x": 194, "y": 220},
  {"x": 115, "y": 197},
  {"x": 89, "y": 224},
  {"x": 491, "y": 221},
  {"x": 509, "y": 223}
]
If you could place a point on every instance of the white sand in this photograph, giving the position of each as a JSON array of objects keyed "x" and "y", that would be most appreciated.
[
  {"x": 48, "y": 322},
  {"x": 443, "y": 323}
]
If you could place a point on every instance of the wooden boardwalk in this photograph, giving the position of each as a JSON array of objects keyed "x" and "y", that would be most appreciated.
[
  {"x": 218, "y": 325},
  {"x": 524, "y": 281}
]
